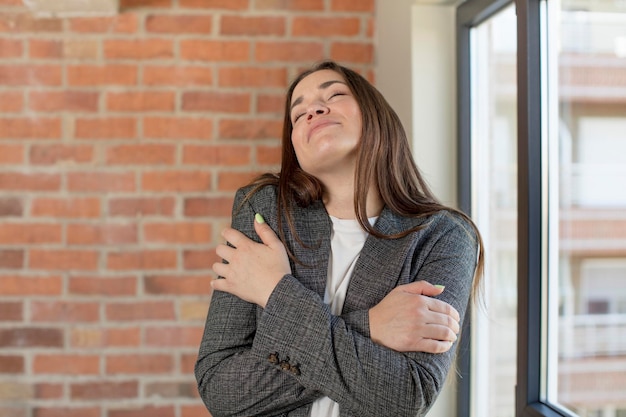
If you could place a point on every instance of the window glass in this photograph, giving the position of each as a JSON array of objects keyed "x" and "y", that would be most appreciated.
[
  {"x": 494, "y": 206},
  {"x": 587, "y": 210}
]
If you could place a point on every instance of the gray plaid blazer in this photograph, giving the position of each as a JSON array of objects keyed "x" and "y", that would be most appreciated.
[{"x": 278, "y": 360}]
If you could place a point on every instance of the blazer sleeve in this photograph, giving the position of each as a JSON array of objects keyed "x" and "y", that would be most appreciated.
[
  {"x": 343, "y": 363},
  {"x": 233, "y": 379}
]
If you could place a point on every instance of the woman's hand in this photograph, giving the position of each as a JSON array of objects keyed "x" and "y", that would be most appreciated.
[
  {"x": 253, "y": 269},
  {"x": 408, "y": 319}
]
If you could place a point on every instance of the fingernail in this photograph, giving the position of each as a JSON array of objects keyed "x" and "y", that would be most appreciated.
[
  {"x": 440, "y": 286},
  {"x": 259, "y": 219}
]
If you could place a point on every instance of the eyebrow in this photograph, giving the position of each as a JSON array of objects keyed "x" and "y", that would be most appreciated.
[{"x": 322, "y": 86}]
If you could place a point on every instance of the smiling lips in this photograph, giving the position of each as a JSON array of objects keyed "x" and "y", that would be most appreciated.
[{"x": 319, "y": 124}]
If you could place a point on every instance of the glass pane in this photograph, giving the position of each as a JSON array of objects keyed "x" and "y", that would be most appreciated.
[
  {"x": 587, "y": 171},
  {"x": 494, "y": 197}
]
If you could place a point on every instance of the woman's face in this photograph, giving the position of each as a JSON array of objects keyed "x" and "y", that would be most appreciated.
[{"x": 326, "y": 123}]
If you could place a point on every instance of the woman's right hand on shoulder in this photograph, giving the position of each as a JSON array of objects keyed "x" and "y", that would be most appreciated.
[{"x": 409, "y": 319}]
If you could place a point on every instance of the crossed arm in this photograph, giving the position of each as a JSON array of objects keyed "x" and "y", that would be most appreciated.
[{"x": 374, "y": 362}]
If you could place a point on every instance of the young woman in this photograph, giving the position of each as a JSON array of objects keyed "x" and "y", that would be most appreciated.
[{"x": 344, "y": 280}]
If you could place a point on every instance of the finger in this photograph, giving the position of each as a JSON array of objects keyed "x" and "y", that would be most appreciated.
[
  {"x": 265, "y": 232},
  {"x": 438, "y": 332},
  {"x": 424, "y": 288},
  {"x": 221, "y": 269},
  {"x": 442, "y": 307},
  {"x": 235, "y": 237},
  {"x": 444, "y": 321},
  {"x": 432, "y": 346},
  {"x": 220, "y": 285},
  {"x": 225, "y": 252}
]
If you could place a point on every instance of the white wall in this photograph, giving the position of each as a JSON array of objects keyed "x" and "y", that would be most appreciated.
[{"x": 416, "y": 73}]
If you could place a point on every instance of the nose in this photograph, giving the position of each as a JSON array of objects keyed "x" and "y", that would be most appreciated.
[{"x": 316, "y": 109}]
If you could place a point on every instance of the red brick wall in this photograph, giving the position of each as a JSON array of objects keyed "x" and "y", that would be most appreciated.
[{"x": 122, "y": 140}]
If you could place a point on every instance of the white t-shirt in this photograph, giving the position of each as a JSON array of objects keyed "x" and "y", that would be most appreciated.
[{"x": 346, "y": 241}]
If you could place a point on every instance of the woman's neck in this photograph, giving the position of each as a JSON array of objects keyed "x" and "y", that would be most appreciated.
[{"x": 339, "y": 200}]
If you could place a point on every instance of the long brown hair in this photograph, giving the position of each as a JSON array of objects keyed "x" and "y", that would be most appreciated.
[{"x": 383, "y": 158}]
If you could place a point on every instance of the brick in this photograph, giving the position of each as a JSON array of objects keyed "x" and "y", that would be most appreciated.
[
  {"x": 30, "y": 75},
  {"x": 179, "y": 285},
  {"x": 103, "y": 286},
  {"x": 60, "y": 411},
  {"x": 141, "y": 101},
  {"x": 11, "y": 259},
  {"x": 11, "y": 101},
  {"x": 29, "y": 337},
  {"x": 101, "y": 75},
  {"x": 138, "y": 49},
  {"x": 289, "y": 51},
  {"x": 11, "y": 364},
  {"x": 136, "y": 4},
  {"x": 252, "y": 77},
  {"x": 66, "y": 364},
  {"x": 176, "y": 181},
  {"x": 29, "y": 233},
  {"x": 54, "y": 101},
  {"x": 194, "y": 411},
  {"x": 101, "y": 234},
  {"x": 11, "y": 3},
  {"x": 11, "y": 154},
  {"x": 231, "y": 181},
  {"x": 174, "y": 336},
  {"x": 191, "y": 310},
  {"x": 84, "y": 49},
  {"x": 106, "y": 128},
  {"x": 178, "y": 76},
  {"x": 352, "y": 6},
  {"x": 122, "y": 23},
  {"x": 48, "y": 391},
  {"x": 57, "y": 153},
  {"x": 11, "y": 207},
  {"x": 216, "y": 102},
  {"x": 144, "y": 363},
  {"x": 295, "y": 5},
  {"x": 17, "y": 181},
  {"x": 177, "y": 128},
  {"x": 64, "y": 311},
  {"x": 362, "y": 53},
  {"x": 208, "y": 206},
  {"x": 142, "y": 260},
  {"x": 101, "y": 390},
  {"x": 271, "y": 103},
  {"x": 11, "y": 310},
  {"x": 30, "y": 128},
  {"x": 268, "y": 155},
  {"x": 187, "y": 363},
  {"x": 250, "y": 129},
  {"x": 140, "y": 311},
  {"x": 172, "y": 390},
  {"x": 148, "y": 154},
  {"x": 199, "y": 259},
  {"x": 63, "y": 259},
  {"x": 15, "y": 392},
  {"x": 154, "y": 411},
  {"x": 45, "y": 49},
  {"x": 252, "y": 25},
  {"x": 223, "y": 155},
  {"x": 63, "y": 207},
  {"x": 10, "y": 48},
  {"x": 96, "y": 338},
  {"x": 212, "y": 51},
  {"x": 177, "y": 233},
  {"x": 29, "y": 285},
  {"x": 28, "y": 22},
  {"x": 101, "y": 181},
  {"x": 177, "y": 24},
  {"x": 215, "y": 4},
  {"x": 141, "y": 206},
  {"x": 325, "y": 26}
]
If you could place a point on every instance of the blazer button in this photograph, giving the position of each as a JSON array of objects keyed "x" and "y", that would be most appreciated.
[
  {"x": 285, "y": 365},
  {"x": 295, "y": 369},
  {"x": 273, "y": 358}
]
